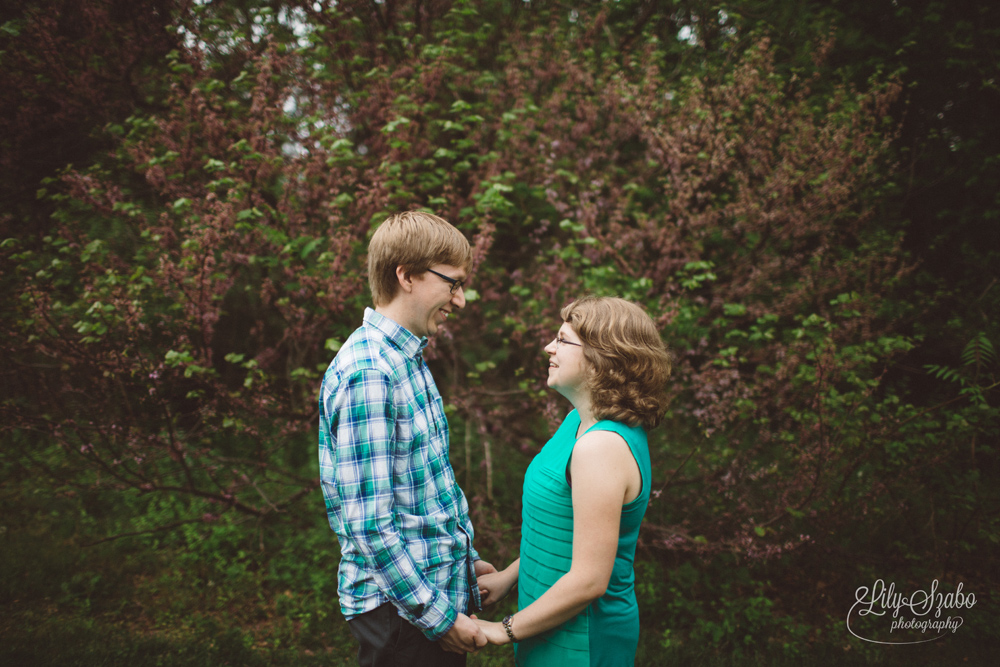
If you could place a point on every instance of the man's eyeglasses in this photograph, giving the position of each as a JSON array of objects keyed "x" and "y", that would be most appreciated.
[
  {"x": 455, "y": 283},
  {"x": 563, "y": 341}
]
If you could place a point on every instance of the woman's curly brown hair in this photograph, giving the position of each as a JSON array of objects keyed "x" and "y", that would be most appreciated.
[{"x": 629, "y": 362}]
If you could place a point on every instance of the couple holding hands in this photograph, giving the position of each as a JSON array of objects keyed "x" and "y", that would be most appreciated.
[{"x": 409, "y": 577}]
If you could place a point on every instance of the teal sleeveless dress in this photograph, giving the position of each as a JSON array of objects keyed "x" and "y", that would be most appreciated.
[{"x": 606, "y": 633}]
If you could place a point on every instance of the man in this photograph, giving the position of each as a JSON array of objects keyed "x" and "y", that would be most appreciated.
[{"x": 408, "y": 569}]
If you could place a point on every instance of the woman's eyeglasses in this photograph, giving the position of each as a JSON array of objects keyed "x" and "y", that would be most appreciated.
[{"x": 563, "y": 341}]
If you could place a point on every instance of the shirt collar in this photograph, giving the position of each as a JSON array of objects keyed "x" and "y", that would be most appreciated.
[{"x": 408, "y": 344}]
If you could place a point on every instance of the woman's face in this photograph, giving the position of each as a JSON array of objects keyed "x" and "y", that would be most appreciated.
[{"x": 567, "y": 365}]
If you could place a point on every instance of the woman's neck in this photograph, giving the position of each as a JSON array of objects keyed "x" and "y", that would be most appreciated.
[{"x": 586, "y": 412}]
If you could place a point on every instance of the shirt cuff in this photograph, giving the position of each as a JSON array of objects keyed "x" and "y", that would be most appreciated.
[{"x": 437, "y": 619}]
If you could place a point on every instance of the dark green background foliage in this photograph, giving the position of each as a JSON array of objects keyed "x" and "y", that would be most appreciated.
[{"x": 802, "y": 194}]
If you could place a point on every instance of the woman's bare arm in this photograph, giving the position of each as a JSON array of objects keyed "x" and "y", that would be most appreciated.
[{"x": 603, "y": 470}]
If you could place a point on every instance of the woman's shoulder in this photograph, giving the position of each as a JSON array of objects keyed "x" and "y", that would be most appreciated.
[
  {"x": 634, "y": 435},
  {"x": 601, "y": 443},
  {"x": 630, "y": 441}
]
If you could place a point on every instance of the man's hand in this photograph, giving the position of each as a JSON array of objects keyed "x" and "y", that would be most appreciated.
[{"x": 464, "y": 637}]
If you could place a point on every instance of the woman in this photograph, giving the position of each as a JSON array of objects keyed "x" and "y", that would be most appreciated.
[{"x": 585, "y": 494}]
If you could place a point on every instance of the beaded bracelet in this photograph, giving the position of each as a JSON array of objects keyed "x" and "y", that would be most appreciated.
[{"x": 507, "y": 621}]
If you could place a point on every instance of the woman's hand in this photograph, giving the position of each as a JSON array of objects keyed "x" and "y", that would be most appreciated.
[
  {"x": 495, "y": 586},
  {"x": 482, "y": 567},
  {"x": 495, "y": 634}
]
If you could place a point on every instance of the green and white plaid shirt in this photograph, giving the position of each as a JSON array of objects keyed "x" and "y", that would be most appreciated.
[{"x": 390, "y": 492}]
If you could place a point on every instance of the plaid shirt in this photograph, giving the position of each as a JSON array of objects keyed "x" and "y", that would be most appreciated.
[{"x": 390, "y": 492}]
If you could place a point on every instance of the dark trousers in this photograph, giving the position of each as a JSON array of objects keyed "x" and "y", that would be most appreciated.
[{"x": 387, "y": 640}]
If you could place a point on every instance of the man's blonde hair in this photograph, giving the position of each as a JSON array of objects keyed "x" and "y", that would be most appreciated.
[
  {"x": 416, "y": 241},
  {"x": 629, "y": 362}
]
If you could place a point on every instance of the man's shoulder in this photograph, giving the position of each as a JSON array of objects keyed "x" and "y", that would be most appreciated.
[{"x": 367, "y": 349}]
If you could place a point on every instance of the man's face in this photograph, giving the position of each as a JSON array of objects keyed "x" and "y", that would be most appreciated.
[{"x": 432, "y": 301}]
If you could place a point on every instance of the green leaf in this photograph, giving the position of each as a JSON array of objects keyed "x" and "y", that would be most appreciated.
[{"x": 734, "y": 309}]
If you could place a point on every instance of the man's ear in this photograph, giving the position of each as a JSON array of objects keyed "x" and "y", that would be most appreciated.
[{"x": 405, "y": 279}]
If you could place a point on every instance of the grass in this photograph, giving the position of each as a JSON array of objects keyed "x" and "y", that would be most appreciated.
[
  {"x": 79, "y": 642},
  {"x": 242, "y": 594}
]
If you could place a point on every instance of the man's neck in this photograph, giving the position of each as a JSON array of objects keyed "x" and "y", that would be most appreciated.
[{"x": 396, "y": 313}]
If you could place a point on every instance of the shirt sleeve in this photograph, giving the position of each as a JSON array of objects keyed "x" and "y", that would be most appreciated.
[
  {"x": 469, "y": 530},
  {"x": 366, "y": 443}
]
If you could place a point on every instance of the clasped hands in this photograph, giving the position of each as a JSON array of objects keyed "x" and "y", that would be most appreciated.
[
  {"x": 493, "y": 587},
  {"x": 469, "y": 633}
]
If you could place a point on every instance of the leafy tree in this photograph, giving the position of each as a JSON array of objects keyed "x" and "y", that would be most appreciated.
[
  {"x": 69, "y": 68},
  {"x": 172, "y": 297}
]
